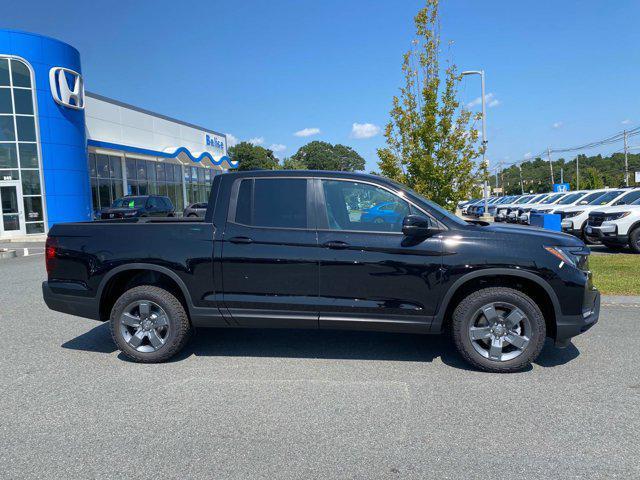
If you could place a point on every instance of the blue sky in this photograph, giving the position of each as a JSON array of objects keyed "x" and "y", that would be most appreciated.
[{"x": 560, "y": 73}]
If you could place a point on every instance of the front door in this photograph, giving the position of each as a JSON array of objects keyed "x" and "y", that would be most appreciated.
[
  {"x": 269, "y": 254},
  {"x": 12, "y": 221},
  {"x": 371, "y": 275}
]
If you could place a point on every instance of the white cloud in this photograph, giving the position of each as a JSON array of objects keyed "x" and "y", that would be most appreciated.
[
  {"x": 307, "y": 132},
  {"x": 528, "y": 155},
  {"x": 256, "y": 140},
  {"x": 625, "y": 122},
  {"x": 364, "y": 130},
  {"x": 557, "y": 125},
  {"x": 490, "y": 99},
  {"x": 277, "y": 148},
  {"x": 232, "y": 140}
]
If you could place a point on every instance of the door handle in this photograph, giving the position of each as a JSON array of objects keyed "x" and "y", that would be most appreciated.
[
  {"x": 336, "y": 245},
  {"x": 244, "y": 240}
]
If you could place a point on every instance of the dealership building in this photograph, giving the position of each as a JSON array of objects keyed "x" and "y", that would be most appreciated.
[{"x": 66, "y": 153}]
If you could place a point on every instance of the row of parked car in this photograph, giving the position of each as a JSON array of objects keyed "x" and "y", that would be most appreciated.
[
  {"x": 134, "y": 206},
  {"x": 609, "y": 216}
]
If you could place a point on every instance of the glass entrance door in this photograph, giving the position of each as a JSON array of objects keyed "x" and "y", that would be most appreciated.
[{"x": 12, "y": 216}]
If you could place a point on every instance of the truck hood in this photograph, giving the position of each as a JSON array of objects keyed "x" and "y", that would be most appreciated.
[
  {"x": 617, "y": 208},
  {"x": 118, "y": 210},
  {"x": 546, "y": 237}
]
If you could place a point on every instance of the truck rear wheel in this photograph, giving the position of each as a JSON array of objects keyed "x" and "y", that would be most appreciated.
[
  {"x": 498, "y": 329},
  {"x": 149, "y": 324}
]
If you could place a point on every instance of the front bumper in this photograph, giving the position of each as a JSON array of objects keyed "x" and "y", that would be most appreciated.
[
  {"x": 567, "y": 227},
  {"x": 60, "y": 297},
  {"x": 568, "y": 326},
  {"x": 608, "y": 233}
]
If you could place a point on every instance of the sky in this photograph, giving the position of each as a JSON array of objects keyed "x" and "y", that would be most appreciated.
[{"x": 282, "y": 73}]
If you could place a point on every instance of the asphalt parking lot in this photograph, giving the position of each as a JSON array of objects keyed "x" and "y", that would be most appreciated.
[{"x": 305, "y": 404}]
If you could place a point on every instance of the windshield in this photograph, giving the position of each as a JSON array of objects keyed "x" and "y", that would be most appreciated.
[
  {"x": 537, "y": 198},
  {"x": 506, "y": 200},
  {"x": 570, "y": 198},
  {"x": 552, "y": 198},
  {"x": 523, "y": 199},
  {"x": 629, "y": 198},
  {"x": 605, "y": 198},
  {"x": 589, "y": 198},
  {"x": 130, "y": 202}
]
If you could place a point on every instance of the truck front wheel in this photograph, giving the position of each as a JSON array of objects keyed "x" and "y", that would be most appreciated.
[
  {"x": 498, "y": 329},
  {"x": 149, "y": 324}
]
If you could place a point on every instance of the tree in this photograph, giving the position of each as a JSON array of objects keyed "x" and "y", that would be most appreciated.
[
  {"x": 293, "y": 164},
  {"x": 591, "y": 179},
  {"x": 253, "y": 157},
  {"x": 431, "y": 141},
  {"x": 319, "y": 155}
]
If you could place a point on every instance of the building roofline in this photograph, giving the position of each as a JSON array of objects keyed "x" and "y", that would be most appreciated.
[{"x": 155, "y": 114}]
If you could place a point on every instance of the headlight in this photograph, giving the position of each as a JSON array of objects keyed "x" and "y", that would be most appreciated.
[
  {"x": 573, "y": 214},
  {"x": 574, "y": 256},
  {"x": 616, "y": 216}
]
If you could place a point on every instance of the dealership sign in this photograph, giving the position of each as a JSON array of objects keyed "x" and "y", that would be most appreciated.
[
  {"x": 67, "y": 87},
  {"x": 214, "y": 142},
  {"x": 561, "y": 187}
]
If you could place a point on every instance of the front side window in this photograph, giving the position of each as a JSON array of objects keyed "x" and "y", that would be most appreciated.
[
  {"x": 629, "y": 198},
  {"x": 351, "y": 205},
  {"x": 272, "y": 202}
]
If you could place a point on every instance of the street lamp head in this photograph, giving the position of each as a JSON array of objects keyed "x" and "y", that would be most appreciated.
[{"x": 471, "y": 72}]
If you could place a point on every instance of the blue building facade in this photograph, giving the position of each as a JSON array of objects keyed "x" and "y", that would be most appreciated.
[{"x": 61, "y": 150}]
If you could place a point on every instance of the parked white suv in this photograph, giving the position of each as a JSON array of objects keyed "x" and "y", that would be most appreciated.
[
  {"x": 574, "y": 219},
  {"x": 618, "y": 225},
  {"x": 525, "y": 211}
]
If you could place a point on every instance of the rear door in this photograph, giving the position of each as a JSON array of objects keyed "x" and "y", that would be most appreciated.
[
  {"x": 269, "y": 253},
  {"x": 371, "y": 275}
]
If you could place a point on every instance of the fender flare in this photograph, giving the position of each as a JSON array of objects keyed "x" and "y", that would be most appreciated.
[
  {"x": 492, "y": 272},
  {"x": 145, "y": 266}
]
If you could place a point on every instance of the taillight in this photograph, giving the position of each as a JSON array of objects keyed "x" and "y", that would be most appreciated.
[{"x": 50, "y": 254}]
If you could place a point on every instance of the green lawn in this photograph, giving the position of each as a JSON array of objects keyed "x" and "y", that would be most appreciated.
[{"x": 616, "y": 274}]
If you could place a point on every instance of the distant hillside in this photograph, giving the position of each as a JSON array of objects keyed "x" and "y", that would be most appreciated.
[{"x": 595, "y": 171}]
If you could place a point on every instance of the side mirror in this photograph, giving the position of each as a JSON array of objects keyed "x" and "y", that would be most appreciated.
[{"x": 418, "y": 226}]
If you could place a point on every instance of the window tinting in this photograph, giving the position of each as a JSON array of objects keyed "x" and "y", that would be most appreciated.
[
  {"x": 277, "y": 202},
  {"x": 29, "y": 155},
  {"x": 20, "y": 74},
  {"x": 8, "y": 157},
  {"x": 24, "y": 101},
  {"x": 7, "y": 133},
  {"x": 363, "y": 207},
  {"x": 26, "y": 129},
  {"x": 629, "y": 198},
  {"x": 4, "y": 72},
  {"x": 6, "y": 105},
  {"x": 30, "y": 182}
]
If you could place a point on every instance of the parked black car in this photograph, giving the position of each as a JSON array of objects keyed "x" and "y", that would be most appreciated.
[
  {"x": 132, "y": 206},
  {"x": 195, "y": 210},
  {"x": 293, "y": 250}
]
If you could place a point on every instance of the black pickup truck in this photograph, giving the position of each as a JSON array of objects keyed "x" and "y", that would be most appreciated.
[{"x": 330, "y": 250}]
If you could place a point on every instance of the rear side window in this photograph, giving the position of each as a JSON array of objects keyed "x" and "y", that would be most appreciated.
[
  {"x": 272, "y": 202},
  {"x": 167, "y": 203},
  {"x": 629, "y": 198}
]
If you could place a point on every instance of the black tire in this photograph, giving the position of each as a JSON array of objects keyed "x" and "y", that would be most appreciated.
[
  {"x": 179, "y": 327},
  {"x": 192, "y": 215},
  {"x": 587, "y": 239},
  {"x": 634, "y": 240},
  {"x": 465, "y": 314}
]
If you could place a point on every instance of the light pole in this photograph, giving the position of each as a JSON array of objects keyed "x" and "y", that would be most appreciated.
[{"x": 484, "y": 137}]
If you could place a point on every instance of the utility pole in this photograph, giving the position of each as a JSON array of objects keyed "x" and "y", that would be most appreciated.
[
  {"x": 521, "y": 184},
  {"x": 550, "y": 165},
  {"x": 577, "y": 172},
  {"x": 626, "y": 160},
  {"x": 561, "y": 175}
]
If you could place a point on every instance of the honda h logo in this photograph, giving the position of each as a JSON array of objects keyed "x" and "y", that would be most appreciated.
[{"x": 67, "y": 87}]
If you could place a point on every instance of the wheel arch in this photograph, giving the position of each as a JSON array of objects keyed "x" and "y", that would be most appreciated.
[
  {"x": 532, "y": 285},
  {"x": 126, "y": 276}
]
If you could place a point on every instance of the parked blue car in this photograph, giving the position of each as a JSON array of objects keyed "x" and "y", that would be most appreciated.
[{"x": 382, "y": 213}]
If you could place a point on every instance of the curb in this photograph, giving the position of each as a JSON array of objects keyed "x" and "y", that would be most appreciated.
[
  {"x": 6, "y": 253},
  {"x": 620, "y": 301}
]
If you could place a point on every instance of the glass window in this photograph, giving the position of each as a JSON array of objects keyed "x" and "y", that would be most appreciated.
[
  {"x": 177, "y": 173},
  {"x": 116, "y": 189},
  {"x": 169, "y": 173},
  {"x": 115, "y": 164},
  {"x": 277, "y": 202},
  {"x": 160, "y": 173},
  {"x": 26, "y": 129},
  {"x": 200, "y": 175},
  {"x": 37, "y": 227},
  {"x": 94, "y": 194},
  {"x": 7, "y": 133},
  {"x": 4, "y": 72},
  {"x": 24, "y": 101},
  {"x": 143, "y": 188},
  {"x": 28, "y": 155},
  {"x": 151, "y": 171},
  {"x": 30, "y": 182},
  {"x": 162, "y": 189},
  {"x": 141, "y": 168},
  {"x": 8, "y": 157},
  {"x": 102, "y": 166},
  {"x": 243, "y": 204},
  {"x": 33, "y": 209},
  {"x": 9, "y": 175},
  {"x": 20, "y": 73},
  {"x": 364, "y": 207},
  {"x": 629, "y": 198},
  {"x": 6, "y": 105},
  {"x": 104, "y": 192},
  {"x": 207, "y": 176},
  {"x": 131, "y": 169},
  {"x": 130, "y": 202}
]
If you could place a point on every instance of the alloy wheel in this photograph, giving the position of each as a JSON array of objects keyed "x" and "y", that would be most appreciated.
[{"x": 144, "y": 325}]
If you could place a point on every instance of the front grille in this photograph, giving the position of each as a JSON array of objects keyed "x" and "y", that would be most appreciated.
[
  {"x": 106, "y": 216},
  {"x": 596, "y": 220}
]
